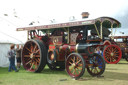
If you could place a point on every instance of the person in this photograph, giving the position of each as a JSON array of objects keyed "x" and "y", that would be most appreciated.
[
  {"x": 99, "y": 51},
  {"x": 18, "y": 56},
  {"x": 11, "y": 56}
]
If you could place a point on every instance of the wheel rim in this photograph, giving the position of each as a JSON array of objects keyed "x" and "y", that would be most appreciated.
[
  {"x": 32, "y": 56},
  {"x": 106, "y": 42},
  {"x": 112, "y": 54},
  {"x": 96, "y": 65},
  {"x": 75, "y": 65}
]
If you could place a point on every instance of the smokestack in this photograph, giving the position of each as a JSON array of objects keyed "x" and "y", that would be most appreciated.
[{"x": 85, "y": 15}]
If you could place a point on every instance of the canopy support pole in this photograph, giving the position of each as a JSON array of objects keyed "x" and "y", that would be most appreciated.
[
  {"x": 101, "y": 33},
  {"x": 115, "y": 31},
  {"x": 68, "y": 36},
  {"x": 112, "y": 31},
  {"x": 97, "y": 30},
  {"x": 27, "y": 35}
]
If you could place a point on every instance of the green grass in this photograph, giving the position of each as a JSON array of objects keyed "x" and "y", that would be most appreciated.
[{"x": 115, "y": 74}]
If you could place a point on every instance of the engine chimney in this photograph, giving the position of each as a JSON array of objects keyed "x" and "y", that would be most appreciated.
[{"x": 85, "y": 15}]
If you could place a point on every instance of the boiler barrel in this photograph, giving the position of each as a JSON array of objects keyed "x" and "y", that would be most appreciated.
[{"x": 82, "y": 48}]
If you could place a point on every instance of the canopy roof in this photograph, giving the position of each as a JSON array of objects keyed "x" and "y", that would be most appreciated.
[{"x": 107, "y": 22}]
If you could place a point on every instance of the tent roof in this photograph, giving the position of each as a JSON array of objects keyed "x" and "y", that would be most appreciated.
[{"x": 8, "y": 39}]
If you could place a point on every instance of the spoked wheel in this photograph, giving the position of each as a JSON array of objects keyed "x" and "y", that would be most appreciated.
[
  {"x": 34, "y": 56},
  {"x": 112, "y": 54},
  {"x": 75, "y": 65},
  {"x": 96, "y": 65}
]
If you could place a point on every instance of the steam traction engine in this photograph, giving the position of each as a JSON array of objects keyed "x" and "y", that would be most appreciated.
[
  {"x": 71, "y": 46},
  {"x": 122, "y": 42}
]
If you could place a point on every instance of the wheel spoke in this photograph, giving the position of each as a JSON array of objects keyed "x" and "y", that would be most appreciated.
[
  {"x": 90, "y": 64},
  {"x": 74, "y": 59},
  {"x": 96, "y": 69},
  {"x": 70, "y": 63},
  {"x": 26, "y": 55},
  {"x": 79, "y": 68},
  {"x": 34, "y": 48},
  {"x": 28, "y": 49},
  {"x": 78, "y": 61},
  {"x": 77, "y": 58},
  {"x": 109, "y": 50},
  {"x": 35, "y": 65},
  {"x": 37, "y": 51},
  {"x": 37, "y": 55},
  {"x": 37, "y": 60},
  {"x": 28, "y": 62},
  {"x": 71, "y": 68},
  {"x": 31, "y": 47},
  {"x": 32, "y": 66},
  {"x": 74, "y": 71},
  {"x": 79, "y": 71},
  {"x": 114, "y": 50},
  {"x": 80, "y": 64}
]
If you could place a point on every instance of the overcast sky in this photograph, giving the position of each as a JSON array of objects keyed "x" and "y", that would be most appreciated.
[{"x": 60, "y": 10}]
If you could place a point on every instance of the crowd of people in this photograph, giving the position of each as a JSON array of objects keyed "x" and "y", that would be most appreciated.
[{"x": 12, "y": 54}]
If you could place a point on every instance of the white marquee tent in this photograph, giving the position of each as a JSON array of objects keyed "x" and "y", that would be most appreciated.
[
  {"x": 4, "y": 47},
  {"x": 9, "y": 35},
  {"x": 5, "y": 43}
]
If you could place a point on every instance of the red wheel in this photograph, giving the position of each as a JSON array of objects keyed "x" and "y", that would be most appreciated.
[
  {"x": 75, "y": 65},
  {"x": 112, "y": 54},
  {"x": 106, "y": 42},
  {"x": 34, "y": 56}
]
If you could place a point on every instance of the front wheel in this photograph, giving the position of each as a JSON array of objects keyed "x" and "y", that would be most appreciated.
[
  {"x": 96, "y": 65},
  {"x": 75, "y": 65}
]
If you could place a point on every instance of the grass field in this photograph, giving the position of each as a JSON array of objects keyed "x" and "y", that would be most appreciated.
[{"x": 115, "y": 74}]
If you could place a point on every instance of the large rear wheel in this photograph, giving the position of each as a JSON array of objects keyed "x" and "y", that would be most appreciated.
[
  {"x": 34, "y": 56},
  {"x": 75, "y": 65}
]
